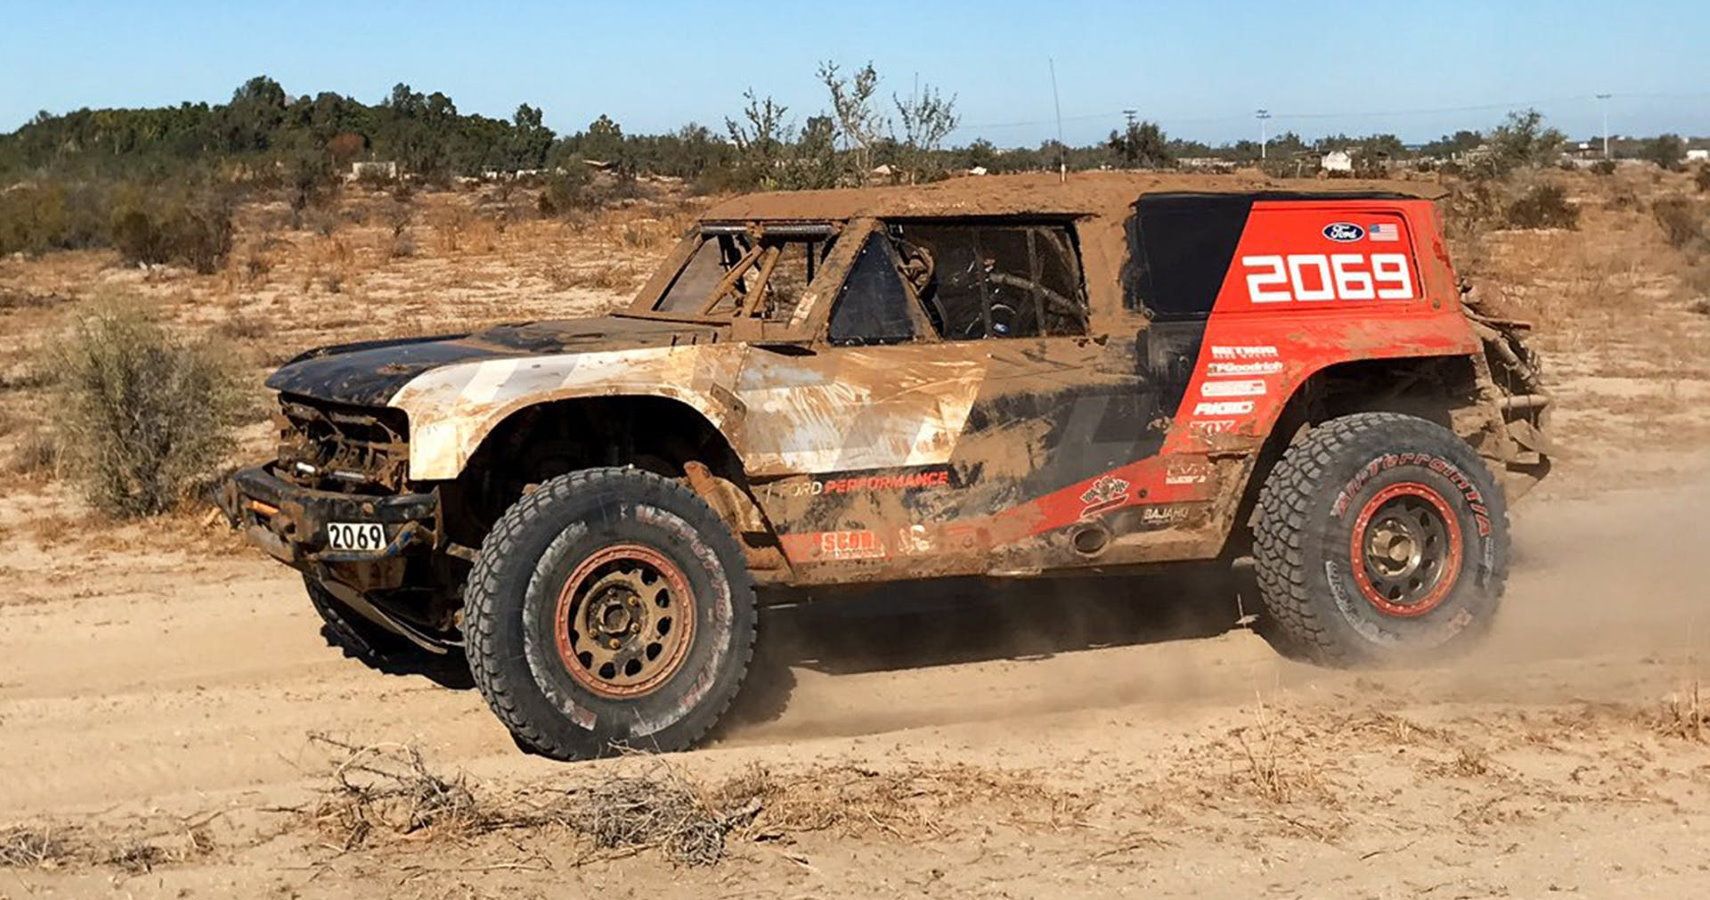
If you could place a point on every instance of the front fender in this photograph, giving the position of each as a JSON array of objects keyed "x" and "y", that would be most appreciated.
[{"x": 452, "y": 409}]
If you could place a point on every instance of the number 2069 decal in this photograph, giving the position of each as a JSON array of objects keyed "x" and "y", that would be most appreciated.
[{"x": 1310, "y": 277}]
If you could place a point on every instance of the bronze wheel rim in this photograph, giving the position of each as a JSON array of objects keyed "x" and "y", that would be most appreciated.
[
  {"x": 1406, "y": 550},
  {"x": 625, "y": 621}
]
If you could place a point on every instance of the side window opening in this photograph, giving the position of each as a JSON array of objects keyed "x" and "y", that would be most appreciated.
[
  {"x": 1179, "y": 250},
  {"x": 873, "y": 306},
  {"x": 995, "y": 279}
]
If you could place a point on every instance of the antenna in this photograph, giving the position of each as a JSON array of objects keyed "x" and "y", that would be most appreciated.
[{"x": 1062, "y": 148}]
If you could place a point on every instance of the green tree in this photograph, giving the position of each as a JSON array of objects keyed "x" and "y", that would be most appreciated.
[
  {"x": 256, "y": 112},
  {"x": 1666, "y": 150},
  {"x": 759, "y": 138},
  {"x": 927, "y": 119},
  {"x": 859, "y": 124},
  {"x": 530, "y": 140},
  {"x": 1521, "y": 141},
  {"x": 603, "y": 141},
  {"x": 1141, "y": 145}
]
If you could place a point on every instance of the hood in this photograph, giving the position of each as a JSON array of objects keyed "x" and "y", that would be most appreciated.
[{"x": 369, "y": 373}]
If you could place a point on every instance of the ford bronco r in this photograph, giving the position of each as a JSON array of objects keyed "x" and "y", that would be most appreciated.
[{"x": 1004, "y": 377}]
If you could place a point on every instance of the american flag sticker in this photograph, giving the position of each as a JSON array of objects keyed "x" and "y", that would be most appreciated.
[{"x": 1384, "y": 231}]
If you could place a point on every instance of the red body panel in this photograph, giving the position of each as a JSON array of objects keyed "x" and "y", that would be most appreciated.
[{"x": 1259, "y": 348}]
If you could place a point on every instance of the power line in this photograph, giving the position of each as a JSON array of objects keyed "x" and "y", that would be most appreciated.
[{"x": 1358, "y": 114}]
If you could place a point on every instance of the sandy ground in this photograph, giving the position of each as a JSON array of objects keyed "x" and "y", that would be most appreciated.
[
  {"x": 153, "y": 688},
  {"x": 161, "y": 689}
]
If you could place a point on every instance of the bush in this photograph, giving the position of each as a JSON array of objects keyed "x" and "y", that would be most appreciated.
[
  {"x": 1542, "y": 206},
  {"x": 1603, "y": 167},
  {"x": 145, "y": 415},
  {"x": 1665, "y": 150},
  {"x": 1681, "y": 220},
  {"x": 569, "y": 190},
  {"x": 1702, "y": 179},
  {"x": 189, "y": 226},
  {"x": 54, "y": 215}
]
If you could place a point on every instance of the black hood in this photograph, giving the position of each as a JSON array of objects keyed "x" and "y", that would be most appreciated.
[{"x": 369, "y": 373}]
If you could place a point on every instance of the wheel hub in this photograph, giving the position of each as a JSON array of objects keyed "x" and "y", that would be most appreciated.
[
  {"x": 1406, "y": 550},
  {"x": 625, "y": 621}
]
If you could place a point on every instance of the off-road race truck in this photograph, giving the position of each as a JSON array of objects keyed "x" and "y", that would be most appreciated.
[{"x": 1006, "y": 377}]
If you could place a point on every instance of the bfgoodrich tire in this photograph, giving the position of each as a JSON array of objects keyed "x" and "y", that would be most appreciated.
[
  {"x": 609, "y": 609},
  {"x": 1381, "y": 538}
]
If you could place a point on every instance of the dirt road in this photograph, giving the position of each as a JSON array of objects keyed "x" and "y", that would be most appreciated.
[{"x": 139, "y": 682}]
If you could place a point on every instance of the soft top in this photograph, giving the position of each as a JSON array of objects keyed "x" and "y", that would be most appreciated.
[{"x": 1084, "y": 193}]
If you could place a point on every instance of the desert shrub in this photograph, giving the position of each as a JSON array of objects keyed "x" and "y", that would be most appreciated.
[
  {"x": 1542, "y": 205},
  {"x": 191, "y": 226},
  {"x": 1520, "y": 142},
  {"x": 1603, "y": 167},
  {"x": 145, "y": 415},
  {"x": 569, "y": 190},
  {"x": 1702, "y": 178},
  {"x": 54, "y": 215},
  {"x": 1682, "y": 222},
  {"x": 36, "y": 453},
  {"x": 1665, "y": 150},
  {"x": 1472, "y": 207}
]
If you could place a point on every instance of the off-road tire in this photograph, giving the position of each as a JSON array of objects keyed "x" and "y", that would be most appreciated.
[
  {"x": 1318, "y": 603},
  {"x": 360, "y": 639},
  {"x": 515, "y": 598}
]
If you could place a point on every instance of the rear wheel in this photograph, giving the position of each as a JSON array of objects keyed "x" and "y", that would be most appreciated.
[
  {"x": 358, "y": 637},
  {"x": 609, "y": 608},
  {"x": 1381, "y": 538}
]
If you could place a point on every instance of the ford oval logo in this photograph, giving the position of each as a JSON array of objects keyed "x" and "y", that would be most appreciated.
[{"x": 1344, "y": 232}]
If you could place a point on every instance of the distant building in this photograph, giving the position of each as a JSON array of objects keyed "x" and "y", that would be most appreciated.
[
  {"x": 1698, "y": 156},
  {"x": 1205, "y": 164},
  {"x": 387, "y": 170},
  {"x": 1337, "y": 161}
]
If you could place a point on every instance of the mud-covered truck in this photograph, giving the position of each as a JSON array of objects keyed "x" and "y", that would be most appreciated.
[{"x": 1009, "y": 377}]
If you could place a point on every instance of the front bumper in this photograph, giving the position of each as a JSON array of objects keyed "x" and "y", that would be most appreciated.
[{"x": 289, "y": 521}]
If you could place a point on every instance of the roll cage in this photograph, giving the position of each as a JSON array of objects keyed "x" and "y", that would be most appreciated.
[{"x": 780, "y": 281}]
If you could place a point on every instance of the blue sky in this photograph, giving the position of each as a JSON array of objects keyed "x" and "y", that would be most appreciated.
[{"x": 1417, "y": 69}]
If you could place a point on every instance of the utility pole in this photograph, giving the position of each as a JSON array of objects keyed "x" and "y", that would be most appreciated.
[
  {"x": 1057, "y": 102},
  {"x": 1130, "y": 115},
  {"x": 1262, "y": 115},
  {"x": 1603, "y": 100}
]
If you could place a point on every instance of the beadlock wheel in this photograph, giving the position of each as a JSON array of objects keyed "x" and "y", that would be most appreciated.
[
  {"x": 1406, "y": 550},
  {"x": 626, "y": 619}
]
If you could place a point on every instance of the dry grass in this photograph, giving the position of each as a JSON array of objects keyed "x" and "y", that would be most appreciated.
[
  {"x": 1269, "y": 765},
  {"x": 608, "y": 277},
  {"x": 36, "y": 848},
  {"x": 66, "y": 847},
  {"x": 389, "y": 790},
  {"x": 663, "y": 810},
  {"x": 36, "y": 454},
  {"x": 1685, "y": 715}
]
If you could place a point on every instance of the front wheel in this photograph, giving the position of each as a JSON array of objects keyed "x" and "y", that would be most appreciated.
[
  {"x": 1381, "y": 538},
  {"x": 609, "y": 609}
]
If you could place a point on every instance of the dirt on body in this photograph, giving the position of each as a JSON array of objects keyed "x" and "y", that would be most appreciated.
[{"x": 173, "y": 724}]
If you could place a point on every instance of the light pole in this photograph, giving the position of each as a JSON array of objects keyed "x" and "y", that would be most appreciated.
[
  {"x": 1262, "y": 115},
  {"x": 1603, "y": 100}
]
